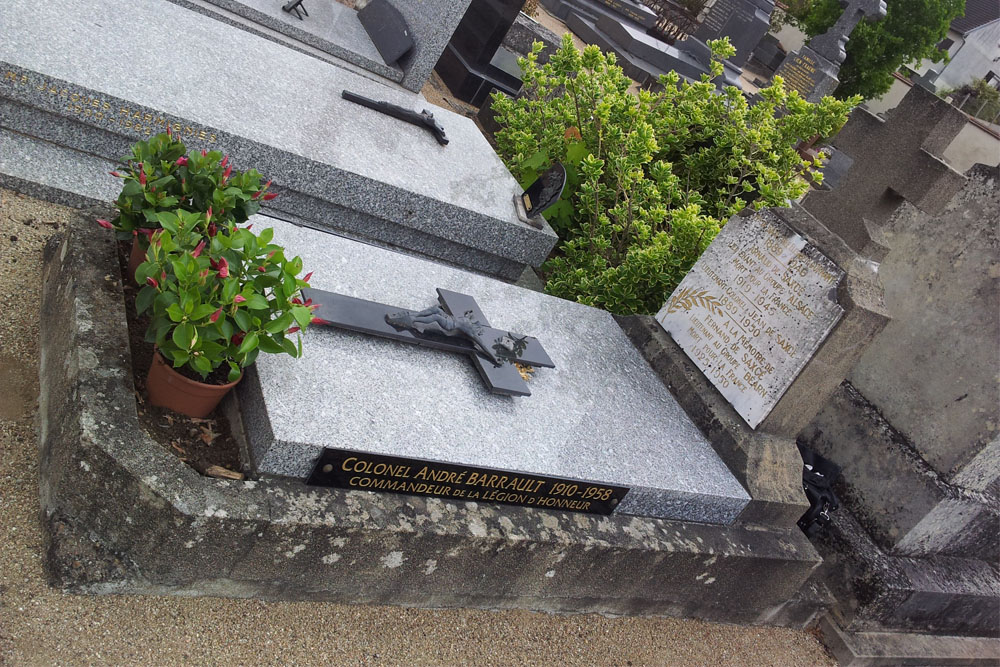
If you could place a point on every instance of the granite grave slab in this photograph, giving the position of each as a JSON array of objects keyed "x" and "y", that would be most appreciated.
[
  {"x": 89, "y": 75},
  {"x": 753, "y": 310},
  {"x": 335, "y": 29},
  {"x": 601, "y": 415}
]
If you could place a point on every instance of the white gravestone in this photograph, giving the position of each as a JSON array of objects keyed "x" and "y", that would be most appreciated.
[{"x": 753, "y": 310}]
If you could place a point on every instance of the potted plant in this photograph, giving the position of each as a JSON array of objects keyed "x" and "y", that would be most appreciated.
[
  {"x": 160, "y": 177},
  {"x": 215, "y": 302}
]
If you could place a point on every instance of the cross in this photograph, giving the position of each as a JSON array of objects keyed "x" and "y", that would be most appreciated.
[
  {"x": 893, "y": 160},
  {"x": 427, "y": 327},
  {"x": 831, "y": 44}
]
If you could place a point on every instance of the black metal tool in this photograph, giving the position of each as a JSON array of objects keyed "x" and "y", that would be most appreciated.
[
  {"x": 818, "y": 476},
  {"x": 295, "y": 6},
  {"x": 424, "y": 119}
]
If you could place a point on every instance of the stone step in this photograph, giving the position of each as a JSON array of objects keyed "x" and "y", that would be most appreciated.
[
  {"x": 880, "y": 591},
  {"x": 902, "y": 502},
  {"x": 92, "y": 75},
  {"x": 864, "y": 649}
]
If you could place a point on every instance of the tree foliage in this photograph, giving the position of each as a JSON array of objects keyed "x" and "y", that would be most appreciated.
[
  {"x": 908, "y": 34},
  {"x": 651, "y": 176}
]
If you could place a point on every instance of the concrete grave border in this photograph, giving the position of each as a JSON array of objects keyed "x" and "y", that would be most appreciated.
[{"x": 124, "y": 516}]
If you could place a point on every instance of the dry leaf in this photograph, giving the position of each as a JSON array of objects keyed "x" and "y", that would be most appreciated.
[{"x": 225, "y": 473}]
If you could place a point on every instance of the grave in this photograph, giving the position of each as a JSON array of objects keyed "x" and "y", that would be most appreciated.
[
  {"x": 812, "y": 70},
  {"x": 913, "y": 427},
  {"x": 380, "y": 179},
  {"x": 125, "y": 516},
  {"x": 369, "y": 395},
  {"x": 333, "y": 29},
  {"x": 893, "y": 160}
]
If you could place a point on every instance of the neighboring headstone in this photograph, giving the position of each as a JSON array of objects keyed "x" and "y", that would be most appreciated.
[
  {"x": 469, "y": 65},
  {"x": 360, "y": 393},
  {"x": 744, "y": 22},
  {"x": 778, "y": 272},
  {"x": 399, "y": 187},
  {"x": 893, "y": 159},
  {"x": 754, "y": 310},
  {"x": 812, "y": 70}
]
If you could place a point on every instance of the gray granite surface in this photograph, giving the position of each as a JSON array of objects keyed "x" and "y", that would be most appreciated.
[
  {"x": 283, "y": 116},
  {"x": 601, "y": 415},
  {"x": 330, "y": 27}
]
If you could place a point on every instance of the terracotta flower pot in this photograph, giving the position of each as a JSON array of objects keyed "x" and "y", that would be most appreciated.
[
  {"x": 135, "y": 258},
  {"x": 169, "y": 389}
]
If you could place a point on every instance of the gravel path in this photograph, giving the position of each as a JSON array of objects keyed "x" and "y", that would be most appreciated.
[{"x": 41, "y": 626}]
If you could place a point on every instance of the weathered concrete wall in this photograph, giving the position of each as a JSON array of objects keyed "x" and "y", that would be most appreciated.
[
  {"x": 933, "y": 373},
  {"x": 123, "y": 515}
]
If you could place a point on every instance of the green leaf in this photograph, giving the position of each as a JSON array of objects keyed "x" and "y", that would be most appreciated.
[
  {"x": 536, "y": 161},
  {"x": 249, "y": 343},
  {"x": 234, "y": 372},
  {"x": 144, "y": 299},
  {"x": 256, "y": 302},
  {"x": 168, "y": 221},
  {"x": 203, "y": 311},
  {"x": 242, "y": 318},
  {"x": 267, "y": 344},
  {"x": 289, "y": 347},
  {"x": 185, "y": 336},
  {"x": 280, "y": 324},
  {"x": 302, "y": 315},
  {"x": 266, "y": 235},
  {"x": 174, "y": 312}
]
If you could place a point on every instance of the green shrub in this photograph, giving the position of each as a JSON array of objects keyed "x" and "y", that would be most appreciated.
[{"x": 651, "y": 176}]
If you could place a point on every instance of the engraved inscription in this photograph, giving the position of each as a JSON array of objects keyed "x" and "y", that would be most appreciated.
[
  {"x": 800, "y": 73},
  {"x": 753, "y": 310}
]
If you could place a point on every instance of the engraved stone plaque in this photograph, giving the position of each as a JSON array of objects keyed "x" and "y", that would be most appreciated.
[{"x": 753, "y": 311}]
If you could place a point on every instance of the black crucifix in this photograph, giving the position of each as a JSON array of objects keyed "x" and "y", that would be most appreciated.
[{"x": 458, "y": 325}]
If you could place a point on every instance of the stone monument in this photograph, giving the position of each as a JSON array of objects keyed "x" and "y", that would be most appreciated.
[
  {"x": 757, "y": 337},
  {"x": 891, "y": 160},
  {"x": 914, "y": 426},
  {"x": 474, "y": 63},
  {"x": 812, "y": 70}
]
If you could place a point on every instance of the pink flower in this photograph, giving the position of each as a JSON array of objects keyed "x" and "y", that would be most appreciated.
[
  {"x": 115, "y": 174},
  {"x": 296, "y": 300},
  {"x": 308, "y": 276},
  {"x": 168, "y": 130},
  {"x": 239, "y": 298},
  {"x": 198, "y": 249},
  {"x": 182, "y": 161},
  {"x": 104, "y": 223},
  {"x": 318, "y": 320},
  {"x": 248, "y": 227},
  {"x": 151, "y": 281},
  {"x": 208, "y": 215},
  {"x": 261, "y": 269},
  {"x": 226, "y": 173},
  {"x": 224, "y": 162},
  {"x": 223, "y": 268},
  {"x": 203, "y": 273},
  {"x": 212, "y": 231},
  {"x": 269, "y": 196},
  {"x": 215, "y": 316},
  {"x": 292, "y": 330},
  {"x": 237, "y": 337},
  {"x": 204, "y": 152},
  {"x": 142, "y": 176},
  {"x": 272, "y": 254}
]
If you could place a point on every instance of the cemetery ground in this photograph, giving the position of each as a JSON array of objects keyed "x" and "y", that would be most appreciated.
[{"x": 41, "y": 625}]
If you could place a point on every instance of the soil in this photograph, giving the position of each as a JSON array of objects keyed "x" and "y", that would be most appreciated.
[{"x": 201, "y": 443}]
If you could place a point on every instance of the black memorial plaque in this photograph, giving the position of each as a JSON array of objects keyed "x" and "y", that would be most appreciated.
[
  {"x": 387, "y": 28},
  {"x": 345, "y": 469}
]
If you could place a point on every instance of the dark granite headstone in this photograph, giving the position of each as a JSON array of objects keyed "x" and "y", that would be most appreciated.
[
  {"x": 813, "y": 69},
  {"x": 469, "y": 65},
  {"x": 744, "y": 22}
]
